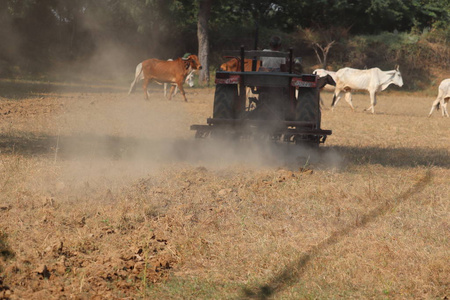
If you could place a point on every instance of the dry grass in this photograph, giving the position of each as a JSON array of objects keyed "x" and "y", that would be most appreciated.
[{"x": 117, "y": 200}]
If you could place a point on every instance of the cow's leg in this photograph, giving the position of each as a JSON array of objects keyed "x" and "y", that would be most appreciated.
[
  {"x": 144, "y": 86},
  {"x": 165, "y": 90},
  {"x": 444, "y": 107},
  {"x": 336, "y": 98},
  {"x": 180, "y": 87},
  {"x": 435, "y": 105},
  {"x": 373, "y": 102},
  {"x": 172, "y": 88},
  {"x": 348, "y": 98}
]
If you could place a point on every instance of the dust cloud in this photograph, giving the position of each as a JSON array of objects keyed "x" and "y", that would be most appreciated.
[
  {"x": 106, "y": 135},
  {"x": 114, "y": 137},
  {"x": 255, "y": 154}
]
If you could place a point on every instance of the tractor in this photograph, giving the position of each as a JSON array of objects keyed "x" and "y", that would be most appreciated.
[{"x": 284, "y": 106}]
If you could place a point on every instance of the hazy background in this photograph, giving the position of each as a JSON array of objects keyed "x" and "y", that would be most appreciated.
[
  {"x": 95, "y": 45},
  {"x": 88, "y": 40}
]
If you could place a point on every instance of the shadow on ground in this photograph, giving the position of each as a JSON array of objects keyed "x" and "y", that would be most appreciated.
[
  {"x": 293, "y": 272},
  {"x": 395, "y": 157},
  {"x": 198, "y": 151},
  {"x": 23, "y": 89}
]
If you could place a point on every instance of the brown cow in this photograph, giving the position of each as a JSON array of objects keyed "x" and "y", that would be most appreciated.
[
  {"x": 164, "y": 71},
  {"x": 234, "y": 65}
]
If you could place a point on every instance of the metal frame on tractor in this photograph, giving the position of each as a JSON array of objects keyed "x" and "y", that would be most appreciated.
[{"x": 286, "y": 108}]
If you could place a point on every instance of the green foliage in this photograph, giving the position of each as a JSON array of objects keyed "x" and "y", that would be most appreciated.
[{"x": 38, "y": 35}]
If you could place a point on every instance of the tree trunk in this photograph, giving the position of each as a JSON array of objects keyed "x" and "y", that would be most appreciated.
[
  {"x": 324, "y": 61},
  {"x": 204, "y": 13},
  {"x": 325, "y": 54}
]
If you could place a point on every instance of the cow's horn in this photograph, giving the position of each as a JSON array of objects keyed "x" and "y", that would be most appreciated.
[{"x": 397, "y": 67}]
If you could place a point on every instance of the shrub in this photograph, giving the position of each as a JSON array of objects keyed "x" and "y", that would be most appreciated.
[{"x": 417, "y": 54}]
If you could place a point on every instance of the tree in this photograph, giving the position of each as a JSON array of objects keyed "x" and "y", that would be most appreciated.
[
  {"x": 204, "y": 13},
  {"x": 39, "y": 34},
  {"x": 321, "y": 40}
]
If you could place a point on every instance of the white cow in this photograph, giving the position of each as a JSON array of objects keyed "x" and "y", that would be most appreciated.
[
  {"x": 140, "y": 76},
  {"x": 373, "y": 80},
  {"x": 443, "y": 97}
]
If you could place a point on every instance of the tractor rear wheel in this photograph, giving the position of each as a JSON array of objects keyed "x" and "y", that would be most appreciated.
[{"x": 224, "y": 101}]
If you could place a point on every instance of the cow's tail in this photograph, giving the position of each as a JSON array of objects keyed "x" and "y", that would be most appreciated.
[{"x": 136, "y": 78}]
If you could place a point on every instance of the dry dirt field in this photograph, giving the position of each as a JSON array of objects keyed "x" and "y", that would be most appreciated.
[{"x": 105, "y": 196}]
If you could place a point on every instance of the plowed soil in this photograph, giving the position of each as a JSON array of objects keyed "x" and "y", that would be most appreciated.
[{"x": 107, "y": 196}]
